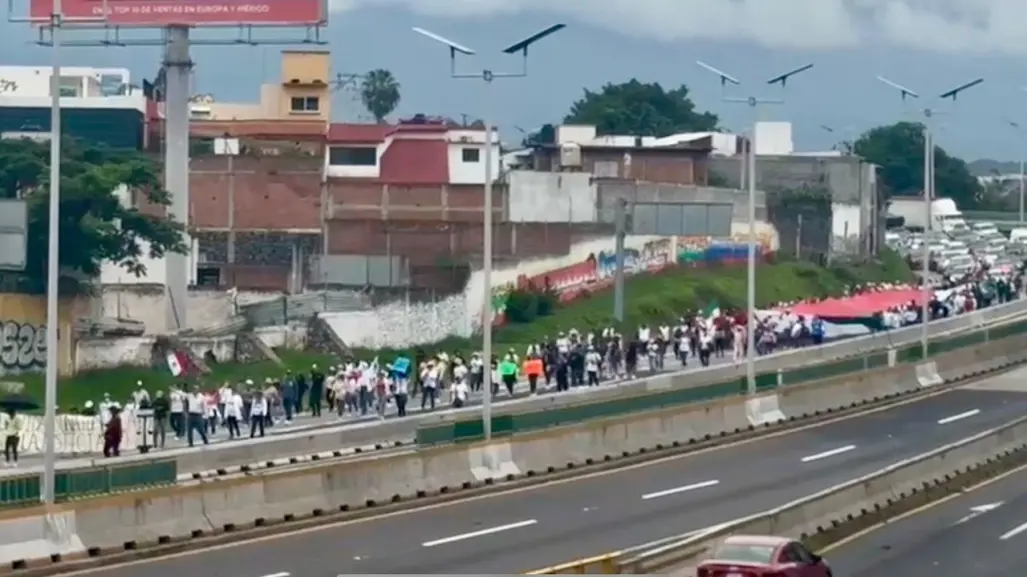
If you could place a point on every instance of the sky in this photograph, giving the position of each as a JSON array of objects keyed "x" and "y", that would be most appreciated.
[{"x": 929, "y": 46}]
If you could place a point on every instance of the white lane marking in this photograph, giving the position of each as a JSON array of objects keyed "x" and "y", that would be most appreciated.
[
  {"x": 830, "y": 453},
  {"x": 1013, "y": 532},
  {"x": 681, "y": 489},
  {"x": 959, "y": 417},
  {"x": 282, "y": 574},
  {"x": 481, "y": 533}
]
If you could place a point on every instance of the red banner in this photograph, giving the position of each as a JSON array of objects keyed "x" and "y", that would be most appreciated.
[{"x": 161, "y": 13}]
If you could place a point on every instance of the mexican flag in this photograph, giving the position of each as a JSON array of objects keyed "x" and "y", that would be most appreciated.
[
  {"x": 180, "y": 365},
  {"x": 711, "y": 311}
]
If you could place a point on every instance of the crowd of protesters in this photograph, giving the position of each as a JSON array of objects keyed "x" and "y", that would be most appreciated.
[{"x": 568, "y": 359}]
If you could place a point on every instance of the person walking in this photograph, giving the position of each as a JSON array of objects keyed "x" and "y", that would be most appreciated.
[
  {"x": 161, "y": 410},
  {"x": 196, "y": 413},
  {"x": 12, "y": 425},
  {"x": 233, "y": 413},
  {"x": 258, "y": 412}
]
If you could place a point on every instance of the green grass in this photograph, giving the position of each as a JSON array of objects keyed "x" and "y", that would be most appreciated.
[
  {"x": 649, "y": 299},
  {"x": 664, "y": 297},
  {"x": 120, "y": 382}
]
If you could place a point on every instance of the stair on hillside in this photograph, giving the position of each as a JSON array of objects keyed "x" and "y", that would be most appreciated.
[{"x": 321, "y": 337}]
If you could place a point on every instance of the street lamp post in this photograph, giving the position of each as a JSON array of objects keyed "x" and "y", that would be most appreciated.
[
  {"x": 928, "y": 113},
  {"x": 753, "y": 102},
  {"x": 488, "y": 76},
  {"x": 1019, "y": 128}
]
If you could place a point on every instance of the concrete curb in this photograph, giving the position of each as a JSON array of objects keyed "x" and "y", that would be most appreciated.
[
  {"x": 263, "y": 466},
  {"x": 95, "y": 557}
]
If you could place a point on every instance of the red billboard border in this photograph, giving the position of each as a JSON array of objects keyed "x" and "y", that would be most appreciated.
[{"x": 192, "y": 13}]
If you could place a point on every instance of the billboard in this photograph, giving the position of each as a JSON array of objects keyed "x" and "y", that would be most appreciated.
[{"x": 162, "y": 13}]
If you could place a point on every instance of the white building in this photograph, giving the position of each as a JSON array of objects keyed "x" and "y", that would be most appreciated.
[{"x": 98, "y": 104}]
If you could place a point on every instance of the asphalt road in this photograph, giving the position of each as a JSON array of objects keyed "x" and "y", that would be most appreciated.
[
  {"x": 545, "y": 525},
  {"x": 980, "y": 533}
]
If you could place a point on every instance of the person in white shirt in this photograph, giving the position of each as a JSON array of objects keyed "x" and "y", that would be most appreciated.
[
  {"x": 196, "y": 406},
  {"x": 140, "y": 397},
  {"x": 461, "y": 392},
  {"x": 477, "y": 372},
  {"x": 178, "y": 415},
  {"x": 232, "y": 411},
  {"x": 12, "y": 426},
  {"x": 105, "y": 408},
  {"x": 592, "y": 362},
  {"x": 258, "y": 414},
  {"x": 401, "y": 394},
  {"x": 430, "y": 380},
  {"x": 224, "y": 397}
]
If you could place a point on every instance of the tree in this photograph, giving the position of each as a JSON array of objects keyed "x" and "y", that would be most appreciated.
[
  {"x": 640, "y": 109},
  {"x": 379, "y": 92},
  {"x": 95, "y": 227},
  {"x": 898, "y": 151}
]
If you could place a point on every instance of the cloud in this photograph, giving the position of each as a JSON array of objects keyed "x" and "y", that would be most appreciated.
[{"x": 951, "y": 26}]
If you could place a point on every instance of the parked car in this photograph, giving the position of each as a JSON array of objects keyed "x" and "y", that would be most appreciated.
[{"x": 763, "y": 556}]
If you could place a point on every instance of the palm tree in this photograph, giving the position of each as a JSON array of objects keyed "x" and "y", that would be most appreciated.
[{"x": 379, "y": 92}]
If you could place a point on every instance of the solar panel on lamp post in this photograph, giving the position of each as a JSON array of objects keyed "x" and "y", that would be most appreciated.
[
  {"x": 488, "y": 76},
  {"x": 925, "y": 270},
  {"x": 752, "y": 102}
]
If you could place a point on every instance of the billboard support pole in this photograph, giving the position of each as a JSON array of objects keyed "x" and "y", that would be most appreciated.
[{"x": 178, "y": 66}]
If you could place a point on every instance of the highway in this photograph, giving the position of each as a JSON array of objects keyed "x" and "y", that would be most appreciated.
[
  {"x": 549, "y": 524},
  {"x": 979, "y": 533}
]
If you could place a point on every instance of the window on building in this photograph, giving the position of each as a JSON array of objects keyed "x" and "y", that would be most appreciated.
[
  {"x": 353, "y": 156},
  {"x": 471, "y": 155},
  {"x": 305, "y": 104}
]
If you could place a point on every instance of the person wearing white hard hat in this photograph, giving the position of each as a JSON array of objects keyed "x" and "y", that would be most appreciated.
[{"x": 140, "y": 396}]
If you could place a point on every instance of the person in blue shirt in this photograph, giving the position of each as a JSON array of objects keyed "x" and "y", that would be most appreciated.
[{"x": 817, "y": 331}]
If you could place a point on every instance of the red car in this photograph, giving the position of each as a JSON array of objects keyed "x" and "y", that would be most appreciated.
[{"x": 759, "y": 556}]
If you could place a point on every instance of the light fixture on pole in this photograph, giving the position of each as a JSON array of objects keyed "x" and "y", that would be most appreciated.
[
  {"x": 928, "y": 113},
  {"x": 1019, "y": 128},
  {"x": 753, "y": 102},
  {"x": 488, "y": 76}
]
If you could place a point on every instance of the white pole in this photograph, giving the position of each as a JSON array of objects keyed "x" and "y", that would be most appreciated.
[
  {"x": 1021, "y": 186},
  {"x": 53, "y": 265},
  {"x": 750, "y": 357},
  {"x": 486, "y": 313},
  {"x": 926, "y": 264}
]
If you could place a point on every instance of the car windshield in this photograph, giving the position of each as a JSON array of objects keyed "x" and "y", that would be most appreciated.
[{"x": 744, "y": 553}]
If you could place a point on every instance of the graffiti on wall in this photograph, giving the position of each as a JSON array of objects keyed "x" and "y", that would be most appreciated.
[
  {"x": 22, "y": 347},
  {"x": 696, "y": 251},
  {"x": 595, "y": 272}
]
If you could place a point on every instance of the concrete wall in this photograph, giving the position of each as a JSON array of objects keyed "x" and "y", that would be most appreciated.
[
  {"x": 588, "y": 265},
  {"x": 23, "y": 334},
  {"x": 580, "y": 197},
  {"x": 105, "y": 353},
  {"x": 610, "y": 190},
  {"x": 551, "y": 197},
  {"x": 851, "y": 181},
  {"x": 146, "y": 304}
]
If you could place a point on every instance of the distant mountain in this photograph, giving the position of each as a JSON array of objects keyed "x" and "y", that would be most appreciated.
[{"x": 988, "y": 167}]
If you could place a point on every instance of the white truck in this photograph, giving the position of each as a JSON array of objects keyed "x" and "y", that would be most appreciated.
[{"x": 945, "y": 215}]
